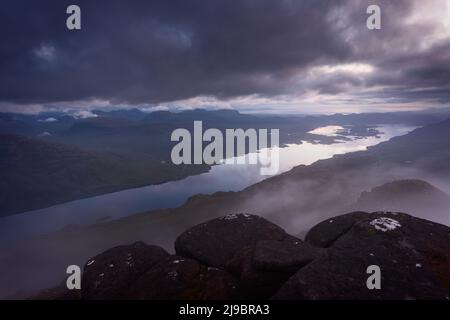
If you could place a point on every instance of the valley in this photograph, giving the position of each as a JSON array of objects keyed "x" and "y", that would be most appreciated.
[{"x": 295, "y": 200}]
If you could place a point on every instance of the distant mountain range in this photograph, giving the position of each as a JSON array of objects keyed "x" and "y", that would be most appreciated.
[{"x": 58, "y": 122}]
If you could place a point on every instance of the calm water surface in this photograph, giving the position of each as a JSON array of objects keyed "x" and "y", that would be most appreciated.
[{"x": 223, "y": 177}]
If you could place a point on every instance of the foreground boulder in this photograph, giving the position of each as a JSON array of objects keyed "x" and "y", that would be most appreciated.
[
  {"x": 413, "y": 255},
  {"x": 285, "y": 256},
  {"x": 141, "y": 271},
  {"x": 216, "y": 242},
  {"x": 263, "y": 267},
  {"x": 111, "y": 274},
  {"x": 260, "y": 254},
  {"x": 178, "y": 278},
  {"x": 324, "y": 234},
  {"x": 242, "y": 256}
]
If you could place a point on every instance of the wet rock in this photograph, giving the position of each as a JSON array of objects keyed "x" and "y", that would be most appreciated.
[
  {"x": 110, "y": 274},
  {"x": 412, "y": 254},
  {"x": 215, "y": 242},
  {"x": 179, "y": 278}
]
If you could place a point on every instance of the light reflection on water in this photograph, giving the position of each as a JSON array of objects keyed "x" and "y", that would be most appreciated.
[
  {"x": 224, "y": 177},
  {"x": 330, "y": 131}
]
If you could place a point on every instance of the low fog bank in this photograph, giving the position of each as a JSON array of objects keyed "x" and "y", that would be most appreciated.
[
  {"x": 293, "y": 203},
  {"x": 296, "y": 200},
  {"x": 298, "y": 204}
]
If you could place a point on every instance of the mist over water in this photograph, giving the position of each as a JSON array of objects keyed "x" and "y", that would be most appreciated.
[
  {"x": 299, "y": 201},
  {"x": 21, "y": 247},
  {"x": 223, "y": 177}
]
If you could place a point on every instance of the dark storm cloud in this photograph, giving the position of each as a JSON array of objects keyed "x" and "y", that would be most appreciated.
[{"x": 158, "y": 51}]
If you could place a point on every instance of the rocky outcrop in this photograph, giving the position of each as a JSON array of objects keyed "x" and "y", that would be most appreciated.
[
  {"x": 111, "y": 274},
  {"x": 325, "y": 233},
  {"x": 411, "y": 253},
  {"x": 180, "y": 278},
  {"x": 263, "y": 267},
  {"x": 215, "y": 242},
  {"x": 242, "y": 256},
  {"x": 261, "y": 255}
]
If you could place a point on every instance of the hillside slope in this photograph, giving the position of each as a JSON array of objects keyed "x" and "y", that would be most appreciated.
[
  {"x": 295, "y": 200},
  {"x": 413, "y": 196},
  {"x": 36, "y": 173}
]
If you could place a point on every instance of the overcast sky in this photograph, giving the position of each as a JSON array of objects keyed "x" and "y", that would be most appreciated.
[{"x": 280, "y": 56}]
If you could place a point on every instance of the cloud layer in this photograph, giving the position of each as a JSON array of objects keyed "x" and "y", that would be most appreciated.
[{"x": 249, "y": 54}]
